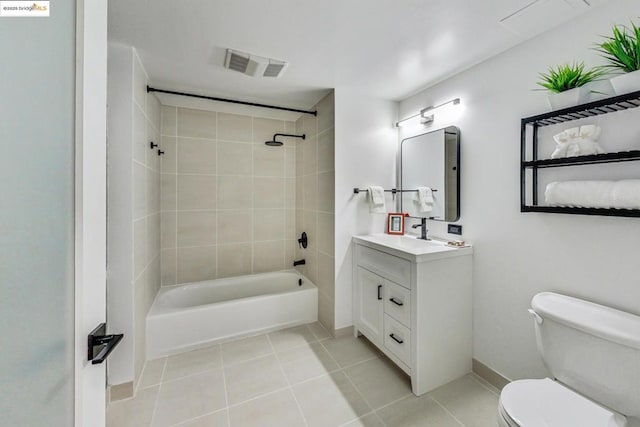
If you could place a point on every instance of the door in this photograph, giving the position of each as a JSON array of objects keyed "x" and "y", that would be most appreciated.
[
  {"x": 370, "y": 292},
  {"x": 52, "y": 215}
]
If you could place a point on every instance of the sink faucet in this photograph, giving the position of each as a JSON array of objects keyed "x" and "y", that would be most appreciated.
[{"x": 423, "y": 225}]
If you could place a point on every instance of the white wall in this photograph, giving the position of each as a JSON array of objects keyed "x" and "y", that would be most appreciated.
[
  {"x": 133, "y": 223},
  {"x": 365, "y": 154},
  {"x": 516, "y": 254}
]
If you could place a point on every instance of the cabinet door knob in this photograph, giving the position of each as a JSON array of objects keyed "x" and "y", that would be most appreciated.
[
  {"x": 396, "y": 339},
  {"x": 379, "y": 292},
  {"x": 396, "y": 302}
]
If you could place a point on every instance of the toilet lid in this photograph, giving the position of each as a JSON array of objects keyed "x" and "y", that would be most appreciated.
[{"x": 550, "y": 404}]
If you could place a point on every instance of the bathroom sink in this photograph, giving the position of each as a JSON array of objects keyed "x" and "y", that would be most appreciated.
[{"x": 410, "y": 247}]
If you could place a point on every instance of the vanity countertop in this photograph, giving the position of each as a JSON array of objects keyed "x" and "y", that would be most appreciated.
[{"x": 412, "y": 248}]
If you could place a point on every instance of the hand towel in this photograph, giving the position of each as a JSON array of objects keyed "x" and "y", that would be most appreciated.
[
  {"x": 577, "y": 141},
  {"x": 580, "y": 194},
  {"x": 626, "y": 194},
  {"x": 424, "y": 199},
  {"x": 376, "y": 200}
]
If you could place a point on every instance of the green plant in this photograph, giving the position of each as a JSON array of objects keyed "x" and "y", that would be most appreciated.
[
  {"x": 569, "y": 76},
  {"x": 622, "y": 51}
]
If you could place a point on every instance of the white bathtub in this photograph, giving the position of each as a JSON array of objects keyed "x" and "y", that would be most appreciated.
[{"x": 189, "y": 316}]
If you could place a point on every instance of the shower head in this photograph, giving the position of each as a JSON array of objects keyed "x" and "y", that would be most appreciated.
[{"x": 274, "y": 143}]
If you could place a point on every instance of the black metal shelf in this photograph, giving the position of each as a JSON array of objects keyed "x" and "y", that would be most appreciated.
[
  {"x": 595, "y": 108},
  {"x": 533, "y": 123},
  {"x": 622, "y": 156},
  {"x": 583, "y": 211}
]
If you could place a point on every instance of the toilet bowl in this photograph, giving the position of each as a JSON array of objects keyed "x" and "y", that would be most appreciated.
[
  {"x": 547, "y": 403},
  {"x": 593, "y": 354}
]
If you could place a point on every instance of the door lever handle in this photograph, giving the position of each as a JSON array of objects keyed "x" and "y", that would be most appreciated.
[{"x": 102, "y": 344}]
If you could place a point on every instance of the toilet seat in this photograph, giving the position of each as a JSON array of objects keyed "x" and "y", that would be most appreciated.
[{"x": 533, "y": 403}]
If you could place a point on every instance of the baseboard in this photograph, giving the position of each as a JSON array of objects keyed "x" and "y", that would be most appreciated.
[
  {"x": 489, "y": 375},
  {"x": 343, "y": 332},
  {"x": 120, "y": 391}
]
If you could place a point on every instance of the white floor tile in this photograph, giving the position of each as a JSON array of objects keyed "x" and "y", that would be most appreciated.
[
  {"x": 189, "y": 397},
  {"x": 253, "y": 378},
  {"x": 330, "y": 401},
  {"x": 379, "y": 381},
  {"x": 306, "y": 362},
  {"x": 273, "y": 410},
  {"x": 416, "y": 412},
  {"x": 245, "y": 349},
  {"x": 192, "y": 362},
  {"x": 469, "y": 401},
  {"x": 152, "y": 373},
  {"x": 371, "y": 420},
  {"x": 217, "y": 419},
  {"x": 292, "y": 337},
  {"x": 349, "y": 350}
]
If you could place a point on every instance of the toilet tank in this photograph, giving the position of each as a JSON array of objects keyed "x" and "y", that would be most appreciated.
[{"x": 593, "y": 349}]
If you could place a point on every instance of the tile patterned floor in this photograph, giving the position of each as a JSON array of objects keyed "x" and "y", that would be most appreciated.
[{"x": 297, "y": 377}]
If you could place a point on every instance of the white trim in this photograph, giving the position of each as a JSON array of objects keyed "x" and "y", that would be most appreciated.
[{"x": 90, "y": 205}]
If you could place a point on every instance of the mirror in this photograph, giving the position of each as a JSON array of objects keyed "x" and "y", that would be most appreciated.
[{"x": 431, "y": 160}]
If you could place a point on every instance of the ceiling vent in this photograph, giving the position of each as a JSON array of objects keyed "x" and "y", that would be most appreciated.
[{"x": 253, "y": 65}]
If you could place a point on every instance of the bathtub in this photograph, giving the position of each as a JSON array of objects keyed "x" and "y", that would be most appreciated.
[{"x": 190, "y": 316}]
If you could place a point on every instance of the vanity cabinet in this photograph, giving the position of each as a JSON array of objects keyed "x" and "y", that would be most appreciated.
[{"x": 415, "y": 306}]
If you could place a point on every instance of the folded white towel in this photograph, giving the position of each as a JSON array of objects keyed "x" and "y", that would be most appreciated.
[
  {"x": 578, "y": 141},
  {"x": 626, "y": 194},
  {"x": 623, "y": 194},
  {"x": 425, "y": 195},
  {"x": 424, "y": 199},
  {"x": 376, "y": 200}
]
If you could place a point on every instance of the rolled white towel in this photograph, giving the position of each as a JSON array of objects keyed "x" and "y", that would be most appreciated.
[
  {"x": 580, "y": 194},
  {"x": 376, "y": 200},
  {"x": 626, "y": 194}
]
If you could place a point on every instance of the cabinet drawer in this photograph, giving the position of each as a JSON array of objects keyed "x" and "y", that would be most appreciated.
[
  {"x": 388, "y": 266},
  {"x": 397, "y": 303},
  {"x": 397, "y": 339}
]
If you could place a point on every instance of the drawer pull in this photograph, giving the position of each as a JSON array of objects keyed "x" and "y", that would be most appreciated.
[
  {"x": 396, "y": 339},
  {"x": 379, "y": 292},
  {"x": 396, "y": 302}
]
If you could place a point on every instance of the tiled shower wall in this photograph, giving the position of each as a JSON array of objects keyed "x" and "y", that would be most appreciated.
[
  {"x": 227, "y": 200},
  {"x": 315, "y": 203}
]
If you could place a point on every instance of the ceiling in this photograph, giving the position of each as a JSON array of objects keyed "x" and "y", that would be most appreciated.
[{"x": 385, "y": 48}]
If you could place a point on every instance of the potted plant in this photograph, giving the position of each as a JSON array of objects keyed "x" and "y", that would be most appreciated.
[
  {"x": 622, "y": 52},
  {"x": 568, "y": 84}
]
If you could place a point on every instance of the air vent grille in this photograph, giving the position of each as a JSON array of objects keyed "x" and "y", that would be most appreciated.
[
  {"x": 238, "y": 62},
  {"x": 274, "y": 68},
  {"x": 253, "y": 65}
]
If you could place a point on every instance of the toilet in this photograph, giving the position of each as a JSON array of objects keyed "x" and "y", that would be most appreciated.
[{"x": 593, "y": 355}]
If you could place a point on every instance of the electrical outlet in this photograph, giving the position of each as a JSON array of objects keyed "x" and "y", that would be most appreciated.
[{"x": 454, "y": 229}]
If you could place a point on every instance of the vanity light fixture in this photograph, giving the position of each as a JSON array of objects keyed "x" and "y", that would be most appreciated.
[
  {"x": 411, "y": 121},
  {"x": 426, "y": 115}
]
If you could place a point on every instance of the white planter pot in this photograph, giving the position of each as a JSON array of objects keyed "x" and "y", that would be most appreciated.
[
  {"x": 569, "y": 98},
  {"x": 625, "y": 83}
]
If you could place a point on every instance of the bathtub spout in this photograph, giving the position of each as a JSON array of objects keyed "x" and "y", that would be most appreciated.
[{"x": 299, "y": 262}]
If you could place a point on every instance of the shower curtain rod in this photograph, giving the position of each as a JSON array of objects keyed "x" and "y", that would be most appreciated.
[{"x": 233, "y": 101}]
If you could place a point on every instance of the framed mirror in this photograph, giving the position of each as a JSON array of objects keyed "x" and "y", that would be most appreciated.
[{"x": 431, "y": 160}]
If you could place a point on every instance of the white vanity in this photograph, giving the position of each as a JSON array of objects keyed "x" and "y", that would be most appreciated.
[{"x": 412, "y": 299}]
